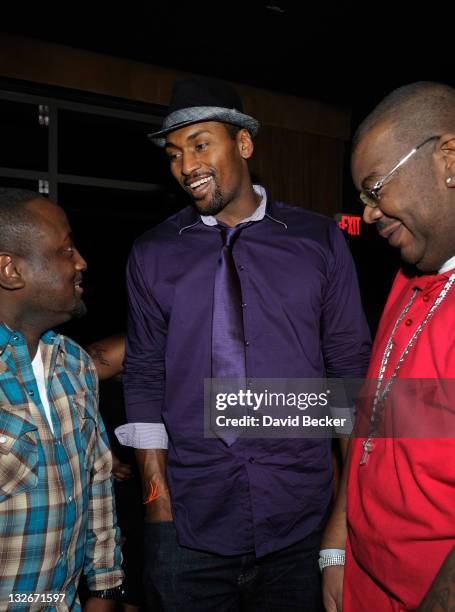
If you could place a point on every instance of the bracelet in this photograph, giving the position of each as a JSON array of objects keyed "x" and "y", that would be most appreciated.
[
  {"x": 115, "y": 594},
  {"x": 332, "y": 557}
]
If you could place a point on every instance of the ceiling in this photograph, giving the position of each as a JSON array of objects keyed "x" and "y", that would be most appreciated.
[{"x": 343, "y": 52}]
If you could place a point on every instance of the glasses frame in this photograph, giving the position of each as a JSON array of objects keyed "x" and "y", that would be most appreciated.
[{"x": 370, "y": 197}]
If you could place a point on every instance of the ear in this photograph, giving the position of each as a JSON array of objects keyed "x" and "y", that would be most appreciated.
[
  {"x": 447, "y": 157},
  {"x": 245, "y": 143},
  {"x": 10, "y": 276}
]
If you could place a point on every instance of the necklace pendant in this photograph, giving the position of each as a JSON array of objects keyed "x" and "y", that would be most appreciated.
[{"x": 367, "y": 449}]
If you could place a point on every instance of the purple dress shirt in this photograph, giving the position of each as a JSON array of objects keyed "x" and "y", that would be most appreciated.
[{"x": 302, "y": 318}]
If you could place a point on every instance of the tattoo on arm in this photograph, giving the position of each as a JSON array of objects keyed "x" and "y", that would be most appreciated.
[
  {"x": 97, "y": 354},
  {"x": 153, "y": 493}
]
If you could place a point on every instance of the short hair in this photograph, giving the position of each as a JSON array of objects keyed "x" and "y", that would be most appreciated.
[
  {"x": 417, "y": 111},
  {"x": 16, "y": 222}
]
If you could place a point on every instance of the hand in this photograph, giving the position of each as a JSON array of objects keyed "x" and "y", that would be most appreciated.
[
  {"x": 441, "y": 594},
  {"x": 332, "y": 588},
  {"x": 120, "y": 471},
  {"x": 97, "y": 604}
]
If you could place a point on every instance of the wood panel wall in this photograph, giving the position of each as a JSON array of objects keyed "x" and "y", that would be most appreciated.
[
  {"x": 299, "y": 152},
  {"x": 302, "y": 169}
]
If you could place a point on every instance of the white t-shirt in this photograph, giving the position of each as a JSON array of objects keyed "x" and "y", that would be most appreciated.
[{"x": 38, "y": 371}]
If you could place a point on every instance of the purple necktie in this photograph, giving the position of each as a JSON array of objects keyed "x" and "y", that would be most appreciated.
[{"x": 228, "y": 339}]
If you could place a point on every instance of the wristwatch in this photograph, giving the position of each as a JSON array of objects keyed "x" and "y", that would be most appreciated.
[{"x": 115, "y": 594}]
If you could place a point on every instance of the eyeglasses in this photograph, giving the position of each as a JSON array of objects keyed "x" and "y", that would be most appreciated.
[{"x": 371, "y": 197}]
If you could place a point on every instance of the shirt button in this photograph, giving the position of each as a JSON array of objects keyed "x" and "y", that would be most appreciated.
[
  {"x": 2, "y": 439},
  {"x": 70, "y": 499},
  {"x": 408, "y": 322},
  {"x": 244, "y": 304},
  {"x": 241, "y": 268},
  {"x": 15, "y": 338},
  {"x": 426, "y": 298},
  {"x": 31, "y": 393},
  {"x": 247, "y": 343},
  {"x": 252, "y": 460}
]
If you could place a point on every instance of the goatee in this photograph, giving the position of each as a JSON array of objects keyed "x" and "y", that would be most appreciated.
[
  {"x": 214, "y": 207},
  {"x": 79, "y": 310}
]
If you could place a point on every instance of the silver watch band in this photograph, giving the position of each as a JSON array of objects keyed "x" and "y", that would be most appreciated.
[{"x": 328, "y": 560}]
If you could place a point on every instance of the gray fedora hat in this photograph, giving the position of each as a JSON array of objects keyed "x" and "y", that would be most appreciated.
[{"x": 201, "y": 99}]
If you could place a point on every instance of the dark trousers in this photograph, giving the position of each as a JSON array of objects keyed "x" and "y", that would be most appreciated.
[{"x": 187, "y": 580}]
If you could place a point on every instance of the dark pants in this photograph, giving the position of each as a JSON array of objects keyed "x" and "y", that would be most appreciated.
[{"x": 188, "y": 580}]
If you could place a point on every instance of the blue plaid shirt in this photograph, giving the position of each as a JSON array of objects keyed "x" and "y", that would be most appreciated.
[{"x": 57, "y": 517}]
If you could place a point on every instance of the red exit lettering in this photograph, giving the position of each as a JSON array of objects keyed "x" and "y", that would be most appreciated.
[{"x": 349, "y": 223}]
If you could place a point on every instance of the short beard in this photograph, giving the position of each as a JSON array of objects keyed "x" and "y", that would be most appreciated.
[
  {"x": 217, "y": 204},
  {"x": 79, "y": 310}
]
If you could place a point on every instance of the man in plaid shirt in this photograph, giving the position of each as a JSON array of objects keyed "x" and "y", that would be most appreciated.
[{"x": 56, "y": 510}]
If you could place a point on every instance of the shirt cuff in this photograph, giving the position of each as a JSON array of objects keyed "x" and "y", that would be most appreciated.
[
  {"x": 101, "y": 580},
  {"x": 142, "y": 435}
]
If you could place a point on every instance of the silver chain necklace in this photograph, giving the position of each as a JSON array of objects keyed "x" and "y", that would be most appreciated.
[{"x": 381, "y": 393}]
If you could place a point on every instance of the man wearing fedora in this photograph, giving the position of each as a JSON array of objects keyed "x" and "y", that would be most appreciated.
[{"x": 233, "y": 286}]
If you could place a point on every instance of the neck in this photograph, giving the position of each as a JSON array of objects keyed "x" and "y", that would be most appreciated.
[
  {"x": 32, "y": 339},
  {"x": 240, "y": 208}
]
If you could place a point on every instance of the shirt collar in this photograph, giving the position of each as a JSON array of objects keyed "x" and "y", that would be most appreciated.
[
  {"x": 10, "y": 336},
  {"x": 265, "y": 209},
  {"x": 426, "y": 281},
  {"x": 258, "y": 214},
  {"x": 448, "y": 265}
]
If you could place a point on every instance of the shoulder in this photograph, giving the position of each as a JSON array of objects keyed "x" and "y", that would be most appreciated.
[
  {"x": 167, "y": 232},
  {"x": 298, "y": 216},
  {"x": 79, "y": 362},
  {"x": 307, "y": 224}
]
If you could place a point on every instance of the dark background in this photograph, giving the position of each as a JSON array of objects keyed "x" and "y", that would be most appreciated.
[{"x": 341, "y": 52}]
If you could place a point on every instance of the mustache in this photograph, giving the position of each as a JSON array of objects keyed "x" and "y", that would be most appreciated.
[{"x": 382, "y": 224}]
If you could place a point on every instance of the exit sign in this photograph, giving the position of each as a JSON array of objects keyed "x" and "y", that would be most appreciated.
[{"x": 349, "y": 223}]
